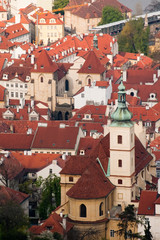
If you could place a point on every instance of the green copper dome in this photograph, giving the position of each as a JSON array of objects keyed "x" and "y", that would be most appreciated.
[{"x": 121, "y": 116}]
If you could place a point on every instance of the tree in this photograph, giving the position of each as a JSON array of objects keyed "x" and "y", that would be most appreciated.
[
  {"x": 13, "y": 222},
  {"x": 50, "y": 195},
  {"x": 148, "y": 234},
  {"x": 134, "y": 38},
  {"x": 127, "y": 223},
  {"x": 60, "y": 4},
  {"x": 110, "y": 14},
  {"x": 154, "y": 6}
]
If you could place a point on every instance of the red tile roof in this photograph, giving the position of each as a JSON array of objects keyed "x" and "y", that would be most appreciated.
[
  {"x": 94, "y": 9},
  {"x": 92, "y": 65},
  {"x": 2, "y": 9},
  {"x": 2, "y": 93},
  {"x": 5, "y": 43},
  {"x": 44, "y": 64},
  {"x": 48, "y": 16},
  {"x": 15, "y": 31},
  {"x": 15, "y": 141},
  {"x": 146, "y": 203},
  {"x": 54, "y": 221},
  {"x": 37, "y": 160},
  {"x": 55, "y": 138},
  {"x": 87, "y": 144},
  {"x": 92, "y": 184},
  {"x": 10, "y": 194},
  {"x": 142, "y": 156}
]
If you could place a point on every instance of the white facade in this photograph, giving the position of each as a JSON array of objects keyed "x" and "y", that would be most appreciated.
[
  {"x": 154, "y": 223},
  {"x": 16, "y": 88},
  {"x": 53, "y": 168},
  {"x": 93, "y": 95}
]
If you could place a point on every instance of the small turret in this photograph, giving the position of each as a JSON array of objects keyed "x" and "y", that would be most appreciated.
[{"x": 121, "y": 115}]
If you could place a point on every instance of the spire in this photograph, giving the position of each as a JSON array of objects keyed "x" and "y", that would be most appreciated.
[{"x": 121, "y": 115}]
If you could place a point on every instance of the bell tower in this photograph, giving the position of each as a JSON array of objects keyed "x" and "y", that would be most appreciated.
[{"x": 122, "y": 151}]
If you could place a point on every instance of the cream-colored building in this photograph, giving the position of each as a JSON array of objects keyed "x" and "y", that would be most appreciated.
[
  {"x": 110, "y": 177},
  {"x": 50, "y": 28}
]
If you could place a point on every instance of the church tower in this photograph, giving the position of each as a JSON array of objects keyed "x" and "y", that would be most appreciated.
[{"x": 122, "y": 151}]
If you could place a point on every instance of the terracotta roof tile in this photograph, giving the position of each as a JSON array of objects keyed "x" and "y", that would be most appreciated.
[
  {"x": 56, "y": 137},
  {"x": 146, "y": 203},
  {"x": 10, "y": 194},
  {"x": 92, "y": 184}
]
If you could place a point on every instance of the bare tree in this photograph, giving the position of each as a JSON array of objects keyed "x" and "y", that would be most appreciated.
[{"x": 154, "y": 6}]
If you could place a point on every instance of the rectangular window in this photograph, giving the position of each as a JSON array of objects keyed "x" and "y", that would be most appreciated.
[
  {"x": 119, "y": 139},
  {"x": 120, "y": 181},
  {"x": 21, "y": 86},
  {"x": 82, "y": 95},
  {"x": 12, "y": 85},
  {"x": 25, "y": 85},
  {"x": 17, "y": 94},
  {"x": 21, "y": 95},
  {"x": 7, "y": 85},
  {"x": 111, "y": 233},
  {"x": 70, "y": 179},
  {"x": 12, "y": 94},
  {"x": 119, "y": 163},
  {"x": 16, "y": 85},
  {"x": 50, "y": 171}
]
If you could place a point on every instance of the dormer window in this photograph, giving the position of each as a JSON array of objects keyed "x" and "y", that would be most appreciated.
[
  {"x": 152, "y": 95},
  {"x": 52, "y": 20},
  {"x": 27, "y": 78},
  {"x": 89, "y": 67},
  {"x": 5, "y": 76},
  {"x": 42, "y": 20},
  {"x": 87, "y": 116}
]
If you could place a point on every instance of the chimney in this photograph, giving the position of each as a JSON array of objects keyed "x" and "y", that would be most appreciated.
[
  {"x": 64, "y": 222},
  {"x": 17, "y": 109},
  {"x": 124, "y": 75},
  {"x": 138, "y": 58},
  {"x": 22, "y": 102},
  {"x": 17, "y": 18},
  {"x": 155, "y": 78},
  {"x": 29, "y": 109},
  {"x": 35, "y": 66},
  {"x": 32, "y": 103},
  {"x": 32, "y": 59}
]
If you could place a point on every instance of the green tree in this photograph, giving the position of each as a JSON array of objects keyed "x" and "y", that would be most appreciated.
[
  {"x": 148, "y": 234},
  {"x": 134, "y": 38},
  {"x": 110, "y": 14},
  {"x": 127, "y": 223},
  {"x": 60, "y": 4},
  {"x": 13, "y": 221},
  {"x": 50, "y": 195}
]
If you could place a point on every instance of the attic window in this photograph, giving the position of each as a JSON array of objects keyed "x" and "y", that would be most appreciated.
[
  {"x": 89, "y": 67},
  {"x": 53, "y": 144},
  {"x": 68, "y": 140},
  {"x": 42, "y": 66},
  {"x": 42, "y": 20},
  {"x": 5, "y": 76},
  {"x": 70, "y": 179},
  {"x": 52, "y": 20}
]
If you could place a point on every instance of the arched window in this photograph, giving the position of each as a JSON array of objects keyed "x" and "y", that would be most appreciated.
[
  {"x": 119, "y": 139},
  {"x": 66, "y": 85},
  {"x": 60, "y": 116},
  {"x": 101, "y": 209},
  {"x": 41, "y": 79},
  {"x": 119, "y": 163},
  {"x": 132, "y": 94},
  {"x": 83, "y": 210},
  {"x": 66, "y": 115},
  {"x": 89, "y": 81}
]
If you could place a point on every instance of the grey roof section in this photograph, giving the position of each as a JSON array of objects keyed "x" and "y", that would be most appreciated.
[{"x": 149, "y": 15}]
